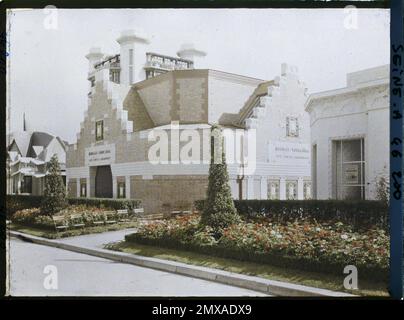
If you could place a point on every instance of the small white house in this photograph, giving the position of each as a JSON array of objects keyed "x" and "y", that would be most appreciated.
[
  {"x": 27, "y": 160},
  {"x": 350, "y": 136}
]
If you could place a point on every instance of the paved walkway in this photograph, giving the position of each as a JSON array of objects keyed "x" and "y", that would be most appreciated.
[
  {"x": 98, "y": 240},
  {"x": 84, "y": 275}
]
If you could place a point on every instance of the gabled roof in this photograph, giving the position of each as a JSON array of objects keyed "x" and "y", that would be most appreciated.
[
  {"x": 32, "y": 144},
  {"x": 40, "y": 139},
  {"x": 21, "y": 140}
]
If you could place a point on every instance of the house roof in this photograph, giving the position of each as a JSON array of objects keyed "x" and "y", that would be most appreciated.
[
  {"x": 32, "y": 144},
  {"x": 21, "y": 141},
  {"x": 38, "y": 139}
]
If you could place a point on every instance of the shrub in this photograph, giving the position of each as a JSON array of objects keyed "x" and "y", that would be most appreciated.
[
  {"x": 55, "y": 192},
  {"x": 359, "y": 214},
  {"x": 33, "y": 217},
  {"x": 18, "y": 202},
  {"x": 219, "y": 211}
]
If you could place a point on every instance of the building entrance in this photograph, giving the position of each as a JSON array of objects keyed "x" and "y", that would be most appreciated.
[
  {"x": 103, "y": 182},
  {"x": 349, "y": 182}
]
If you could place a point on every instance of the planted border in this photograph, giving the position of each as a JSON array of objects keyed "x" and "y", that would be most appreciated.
[
  {"x": 358, "y": 213},
  {"x": 19, "y": 202},
  {"x": 278, "y": 260}
]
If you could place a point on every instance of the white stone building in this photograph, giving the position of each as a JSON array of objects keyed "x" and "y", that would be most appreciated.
[
  {"x": 350, "y": 136},
  {"x": 137, "y": 92}
]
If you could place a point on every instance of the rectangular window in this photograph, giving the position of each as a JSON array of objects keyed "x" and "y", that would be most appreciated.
[
  {"x": 27, "y": 184},
  {"x": 292, "y": 127},
  {"x": 114, "y": 76},
  {"x": 83, "y": 189},
  {"x": 130, "y": 57},
  {"x": 273, "y": 190},
  {"x": 130, "y": 75},
  {"x": 291, "y": 190},
  {"x": 349, "y": 169},
  {"x": 99, "y": 130},
  {"x": 121, "y": 189}
]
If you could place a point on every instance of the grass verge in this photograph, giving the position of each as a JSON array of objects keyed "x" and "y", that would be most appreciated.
[
  {"x": 318, "y": 280},
  {"x": 50, "y": 234}
]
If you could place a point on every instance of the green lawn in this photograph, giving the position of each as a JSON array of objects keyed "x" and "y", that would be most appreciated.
[
  {"x": 50, "y": 234},
  {"x": 325, "y": 281}
]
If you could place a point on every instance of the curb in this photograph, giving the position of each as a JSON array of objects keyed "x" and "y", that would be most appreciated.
[{"x": 273, "y": 287}]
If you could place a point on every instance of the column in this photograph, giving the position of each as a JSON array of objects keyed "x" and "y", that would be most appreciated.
[
  {"x": 300, "y": 193},
  {"x": 127, "y": 187},
  {"x": 250, "y": 187},
  {"x": 114, "y": 187},
  {"x": 88, "y": 187},
  {"x": 282, "y": 189},
  {"x": 264, "y": 188},
  {"x": 78, "y": 187}
]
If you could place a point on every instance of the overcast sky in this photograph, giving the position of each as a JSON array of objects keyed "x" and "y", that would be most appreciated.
[{"x": 49, "y": 70}]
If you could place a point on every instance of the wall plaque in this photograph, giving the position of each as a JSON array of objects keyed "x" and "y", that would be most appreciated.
[{"x": 100, "y": 155}]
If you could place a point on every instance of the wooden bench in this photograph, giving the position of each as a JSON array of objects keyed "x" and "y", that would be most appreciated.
[
  {"x": 123, "y": 215},
  {"x": 156, "y": 216},
  {"x": 76, "y": 221},
  {"x": 110, "y": 217},
  {"x": 99, "y": 222},
  {"x": 138, "y": 211},
  {"x": 60, "y": 223},
  {"x": 180, "y": 212}
]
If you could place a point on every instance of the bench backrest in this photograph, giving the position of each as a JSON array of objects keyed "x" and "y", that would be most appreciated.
[
  {"x": 138, "y": 210},
  {"x": 58, "y": 218},
  {"x": 109, "y": 213},
  {"x": 122, "y": 211},
  {"x": 75, "y": 216}
]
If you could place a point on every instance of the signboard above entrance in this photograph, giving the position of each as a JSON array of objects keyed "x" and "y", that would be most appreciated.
[{"x": 100, "y": 155}]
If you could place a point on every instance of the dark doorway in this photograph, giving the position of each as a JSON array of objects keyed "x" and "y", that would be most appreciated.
[{"x": 103, "y": 182}]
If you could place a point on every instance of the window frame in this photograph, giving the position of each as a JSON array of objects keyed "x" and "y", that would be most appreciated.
[
  {"x": 83, "y": 195},
  {"x": 97, "y": 138},
  {"x": 119, "y": 195}
]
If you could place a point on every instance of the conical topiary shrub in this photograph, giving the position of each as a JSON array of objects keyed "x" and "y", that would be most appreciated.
[
  {"x": 55, "y": 192},
  {"x": 219, "y": 210}
]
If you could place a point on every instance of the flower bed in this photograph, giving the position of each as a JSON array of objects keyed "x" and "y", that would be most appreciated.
[
  {"x": 16, "y": 203},
  {"x": 34, "y": 217},
  {"x": 302, "y": 244},
  {"x": 360, "y": 214}
]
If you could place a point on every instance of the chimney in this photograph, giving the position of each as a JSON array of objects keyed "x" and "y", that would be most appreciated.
[
  {"x": 95, "y": 55},
  {"x": 188, "y": 52},
  {"x": 132, "y": 56}
]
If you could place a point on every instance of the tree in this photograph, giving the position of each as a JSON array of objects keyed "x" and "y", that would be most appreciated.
[
  {"x": 219, "y": 210},
  {"x": 55, "y": 192}
]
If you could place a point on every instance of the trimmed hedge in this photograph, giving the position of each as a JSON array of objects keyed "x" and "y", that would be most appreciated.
[
  {"x": 371, "y": 272},
  {"x": 15, "y": 203},
  {"x": 358, "y": 213},
  {"x": 115, "y": 204},
  {"x": 18, "y": 202}
]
